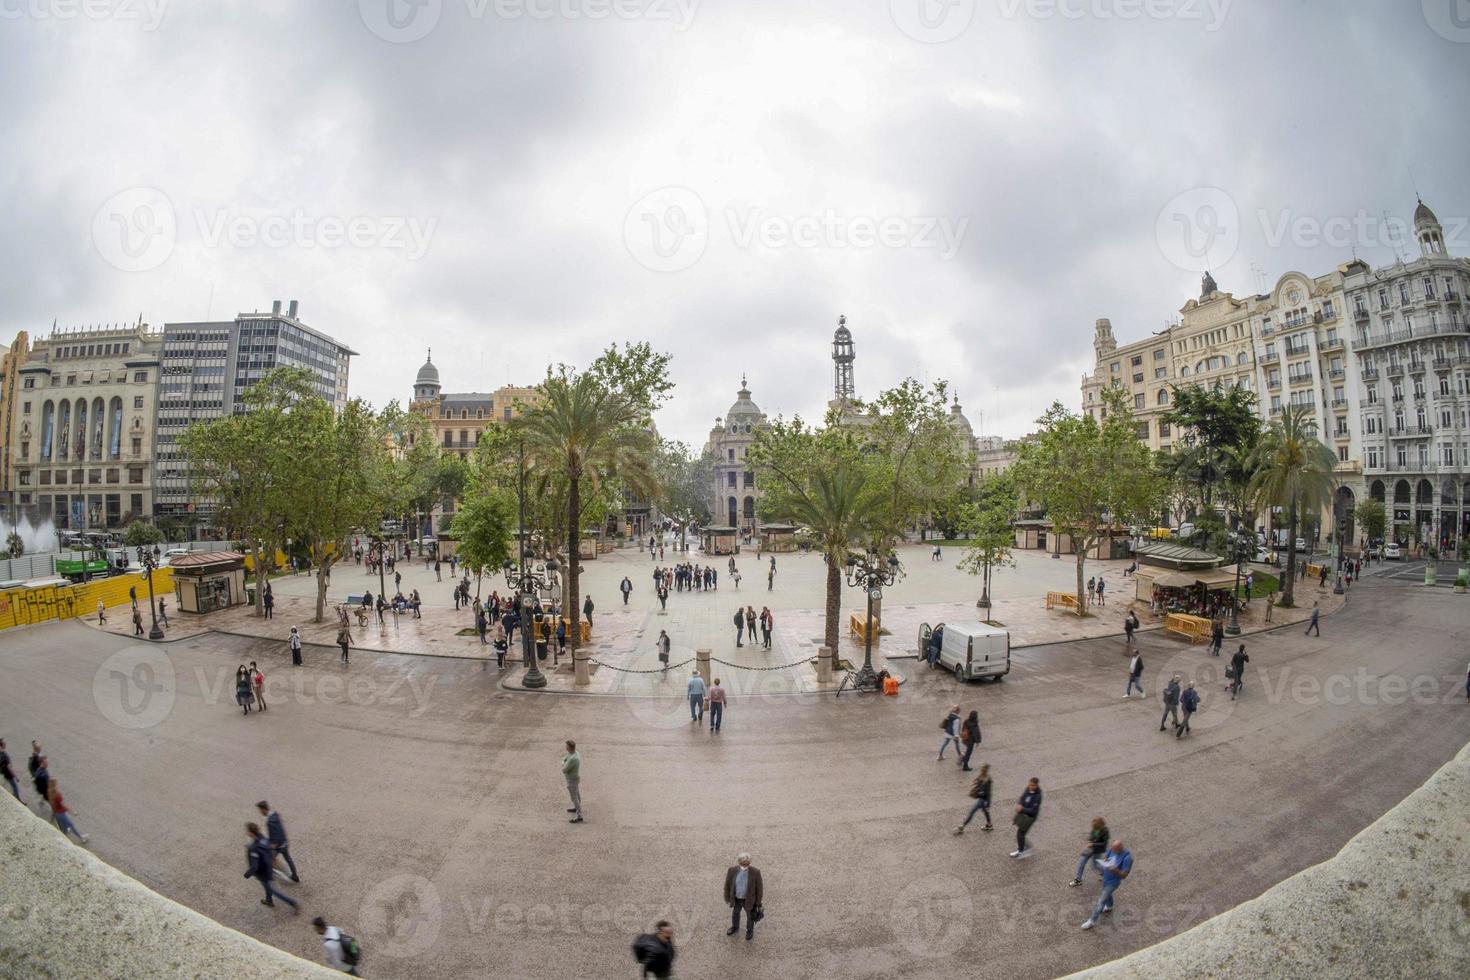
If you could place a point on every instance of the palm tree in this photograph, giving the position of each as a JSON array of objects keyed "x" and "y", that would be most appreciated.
[
  {"x": 1293, "y": 470},
  {"x": 588, "y": 431}
]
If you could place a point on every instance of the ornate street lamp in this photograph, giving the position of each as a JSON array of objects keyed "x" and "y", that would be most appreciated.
[
  {"x": 1232, "y": 628},
  {"x": 871, "y": 573},
  {"x": 527, "y": 582},
  {"x": 149, "y": 562}
]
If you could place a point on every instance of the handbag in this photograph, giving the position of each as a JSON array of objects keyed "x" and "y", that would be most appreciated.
[{"x": 758, "y": 913}]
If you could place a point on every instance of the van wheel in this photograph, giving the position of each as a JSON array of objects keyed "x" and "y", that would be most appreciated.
[{"x": 959, "y": 673}]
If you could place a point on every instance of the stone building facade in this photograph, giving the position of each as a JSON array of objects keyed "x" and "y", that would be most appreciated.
[{"x": 734, "y": 492}]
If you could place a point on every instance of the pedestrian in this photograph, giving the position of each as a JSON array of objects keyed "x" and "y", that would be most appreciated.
[
  {"x": 60, "y": 813},
  {"x": 276, "y": 834},
  {"x": 1135, "y": 676},
  {"x": 736, "y": 576},
  {"x": 294, "y": 639},
  {"x": 260, "y": 865},
  {"x": 1101, "y": 596},
  {"x": 743, "y": 893},
  {"x": 663, "y": 651},
  {"x": 626, "y": 588},
  {"x": 1092, "y": 853},
  {"x": 767, "y": 621},
  {"x": 1130, "y": 623},
  {"x": 1316, "y": 623},
  {"x": 717, "y": 705},
  {"x": 654, "y": 951},
  {"x": 398, "y": 581},
  {"x": 268, "y": 600},
  {"x": 663, "y": 598},
  {"x": 571, "y": 769},
  {"x": 1217, "y": 636},
  {"x": 344, "y": 640},
  {"x": 1467, "y": 686},
  {"x": 1171, "y": 703},
  {"x": 980, "y": 793},
  {"x": 101, "y": 613},
  {"x": 1237, "y": 670},
  {"x": 1189, "y": 700},
  {"x": 950, "y": 726},
  {"x": 561, "y": 640},
  {"x": 244, "y": 694},
  {"x": 7, "y": 773},
  {"x": 771, "y": 579},
  {"x": 1028, "y": 808},
  {"x": 500, "y": 644},
  {"x": 1092, "y": 590},
  {"x": 37, "y": 767},
  {"x": 970, "y": 736},
  {"x": 696, "y": 691},
  {"x": 137, "y": 622},
  {"x": 415, "y": 602},
  {"x": 1115, "y": 867},
  {"x": 739, "y": 626},
  {"x": 1270, "y": 605},
  {"x": 163, "y": 610},
  {"x": 1322, "y": 578},
  {"x": 257, "y": 684},
  {"x": 750, "y": 623},
  {"x": 587, "y": 608},
  {"x": 340, "y": 950},
  {"x": 481, "y": 624}
]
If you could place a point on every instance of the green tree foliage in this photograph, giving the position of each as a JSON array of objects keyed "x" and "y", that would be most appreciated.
[
  {"x": 1293, "y": 472},
  {"x": 1089, "y": 475},
  {"x": 483, "y": 529},
  {"x": 14, "y": 546},
  {"x": 1216, "y": 433},
  {"x": 953, "y": 512},
  {"x": 917, "y": 455},
  {"x": 140, "y": 533},
  {"x": 988, "y": 525},
  {"x": 684, "y": 482},
  {"x": 1372, "y": 519}
]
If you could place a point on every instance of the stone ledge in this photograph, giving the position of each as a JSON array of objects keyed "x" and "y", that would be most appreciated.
[
  {"x": 1394, "y": 902},
  {"x": 66, "y": 913}
]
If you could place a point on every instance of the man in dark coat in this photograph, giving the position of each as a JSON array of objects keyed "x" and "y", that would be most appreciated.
[
  {"x": 276, "y": 832},
  {"x": 743, "y": 891},
  {"x": 261, "y": 860}
]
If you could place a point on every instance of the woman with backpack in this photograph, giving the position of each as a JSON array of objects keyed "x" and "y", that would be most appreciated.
[
  {"x": 244, "y": 694},
  {"x": 980, "y": 793}
]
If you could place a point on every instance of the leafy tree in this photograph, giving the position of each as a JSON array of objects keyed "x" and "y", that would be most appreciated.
[
  {"x": 14, "y": 546},
  {"x": 592, "y": 426},
  {"x": 991, "y": 534},
  {"x": 906, "y": 431},
  {"x": 953, "y": 512},
  {"x": 140, "y": 533},
  {"x": 483, "y": 528},
  {"x": 684, "y": 482},
  {"x": 1211, "y": 423},
  {"x": 1293, "y": 472},
  {"x": 243, "y": 462},
  {"x": 1089, "y": 475},
  {"x": 1372, "y": 518}
]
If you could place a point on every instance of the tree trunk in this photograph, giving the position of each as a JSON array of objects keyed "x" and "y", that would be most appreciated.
[
  {"x": 1288, "y": 588},
  {"x": 573, "y": 611},
  {"x": 260, "y": 577},
  {"x": 1081, "y": 589},
  {"x": 834, "y": 600}
]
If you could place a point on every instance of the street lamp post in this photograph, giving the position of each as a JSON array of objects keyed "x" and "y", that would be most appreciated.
[
  {"x": 149, "y": 563},
  {"x": 871, "y": 573},
  {"x": 1232, "y": 628},
  {"x": 984, "y": 602},
  {"x": 526, "y": 583}
]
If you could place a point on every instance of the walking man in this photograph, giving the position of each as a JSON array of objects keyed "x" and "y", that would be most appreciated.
[
  {"x": 1190, "y": 701},
  {"x": 344, "y": 640},
  {"x": 269, "y": 601},
  {"x": 7, "y": 773},
  {"x": 1237, "y": 670},
  {"x": 743, "y": 892},
  {"x": 587, "y": 608},
  {"x": 1217, "y": 636},
  {"x": 340, "y": 951},
  {"x": 626, "y": 588},
  {"x": 260, "y": 865},
  {"x": 1171, "y": 703},
  {"x": 1028, "y": 808},
  {"x": 571, "y": 768},
  {"x": 717, "y": 705},
  {"x": 1135, "y": 676},
  {"x": 655, "y": 951},
  {"x": 1130, "y": 625},
  {"x": 739, "y": 626},
  {"x": 295, "y": 640},
  {"x": 980, "y": 793},
  {"x": 1315, "y": 624},
  {"x": 163, "y": 610},
  {"x": 696, "y": 693},
  {"x": 137, "y": 622},
  {"x": 1115, "y": 868},
  {"x": 1097, "y": 846},
  {"x": 950, "y": 726},
  {"x": 1101, "y": 598},
  {"x": 276, "y": 834},
  {"x": 101, "y": 613}
]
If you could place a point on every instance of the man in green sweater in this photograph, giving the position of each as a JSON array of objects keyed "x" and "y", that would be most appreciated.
[{"x": 571, "y": 768}]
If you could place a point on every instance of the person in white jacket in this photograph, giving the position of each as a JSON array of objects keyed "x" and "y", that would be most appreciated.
[{"x": 332, "y": 947}]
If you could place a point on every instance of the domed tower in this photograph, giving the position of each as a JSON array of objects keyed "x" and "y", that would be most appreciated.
[
  {"x": 426, "y": 385},
  {"x": 843, "y": 388},
  {"x": 1428, "y": 232},
  {"x": 1103, "y": 341}
]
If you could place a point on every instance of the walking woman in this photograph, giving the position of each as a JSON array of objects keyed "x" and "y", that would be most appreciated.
[
  {"x": 980, "y": 793},
  {"x": 1097, "y": 846},
  {"x": 344, "y": 640},
  {"x": 1028, "y": 808},
  {"x": 244, "y": 696},
  {"x": 295, "y": 639},
  {"x": 970, "y": 737},
  {"x": 61, "y": 813},
  {"x": 257, "y": 683}
]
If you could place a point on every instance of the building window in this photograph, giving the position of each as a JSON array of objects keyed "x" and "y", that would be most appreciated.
[
  {"x": 749, "y": 479},
  {"x": 137, "y": 401},
  {"x": 1138, "y": 401},
  {"x": 1141, "y": 431},
  {"x": 25, "y": 478},
  {"x": 135, "y": 474},
  {"x": 732, "y": 455},
  {"x": 730, "y": 479},
  {"x": 1342, "y": 454},
  {"x": 140, "y": 376},
  {"x": 1163, "y": 430},
  {"x": 1163, "y": 396}
]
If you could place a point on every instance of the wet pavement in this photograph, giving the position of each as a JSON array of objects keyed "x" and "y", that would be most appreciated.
[{"x": 426, "y": 807}]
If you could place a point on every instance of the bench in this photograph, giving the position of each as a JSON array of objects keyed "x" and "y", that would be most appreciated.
[
  {"x": 858, "y": 625},
  {"x": 1192, "y": 628},
  {"x": 1062, "y": 600},
  {"x": 354, "y": 600}
]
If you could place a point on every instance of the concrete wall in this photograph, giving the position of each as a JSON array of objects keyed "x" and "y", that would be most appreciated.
[{"x": 64, "y": 913}]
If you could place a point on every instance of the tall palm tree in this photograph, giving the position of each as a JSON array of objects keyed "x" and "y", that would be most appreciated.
[
  {"x": 588, "y": 431},
  {"x": 1294, "y": 471}
]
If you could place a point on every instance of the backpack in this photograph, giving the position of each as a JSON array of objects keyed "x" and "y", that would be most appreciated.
[
  {"x": 351, "y": 949},
  {"x": 944, "y": 724}
]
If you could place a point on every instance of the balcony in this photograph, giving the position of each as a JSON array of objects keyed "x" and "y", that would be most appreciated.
[
  {"x": 1274, "y": 384},
  {"x": 1336, "y": 374},
  {"x": 1416, "y": 367},
  {"x": 1395, "y": 370},
  {"x": 1442, "y": 365},
  {"x": 1270, "y": 357},
  {"x": 1330, "y": 344},
  {"x": 1310, "y": 407},
  {"x": 1299, "y": 379},
  {"x": 1410, "y": 432},
  {"x": 1365, "y": 404},
  {"x": 1361, "y": 315},
  {"x": 1339, "y": 403},
  {"x": 1452, "y": 298},
  {"x": 1326, "y": 316},
  {"x": 1370, "y": 374},
  {"x": 1297, "y": 350},
  {"x": 1431, "y": 300},
  {"x": 1275, "y": 410}
]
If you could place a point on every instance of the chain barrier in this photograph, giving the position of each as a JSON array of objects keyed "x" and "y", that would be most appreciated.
[
  {"x": 685, "y": 663},
  {"x": 798, "y": 663},
  {"x": 655, "y": 670}
]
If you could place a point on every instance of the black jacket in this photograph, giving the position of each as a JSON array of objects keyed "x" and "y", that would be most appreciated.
[
  {"x": 656, "y": 955},
  {"x": 1030, "y": 802}
]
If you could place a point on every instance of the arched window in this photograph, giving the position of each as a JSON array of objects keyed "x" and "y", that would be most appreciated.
[
  {"x": 114, "y": 428},
  {"x": 1401, "y": 492},
  {"x": 1376, "y": 491},
  {"x": 63, "y": 430},
  {"x": 1163, "y": 398},
  {"x": 1240, "y": 358},
  {"x": 749, "y": 507},
  {"x": 734, "y": 508},
  {"x": 48, "y": 422}
]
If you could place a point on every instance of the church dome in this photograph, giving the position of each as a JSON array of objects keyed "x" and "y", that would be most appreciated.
[
  {"x": 744, "y": 410},
  {"x": 428, "y": 375},
  {"x": 1424, "y": 216}
]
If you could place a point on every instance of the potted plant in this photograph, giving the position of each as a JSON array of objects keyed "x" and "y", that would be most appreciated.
[
  {"x": 1431, "y": 568},
  {"x": 1461, "y": 581},
  {"x": 1465, "y": 557}
]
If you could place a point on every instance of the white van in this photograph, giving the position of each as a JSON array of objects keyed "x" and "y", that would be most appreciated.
[{"x": 972, "y": 650}]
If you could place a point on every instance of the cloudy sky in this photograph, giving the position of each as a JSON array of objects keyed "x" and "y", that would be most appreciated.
[{"x": 512, "y": 182}]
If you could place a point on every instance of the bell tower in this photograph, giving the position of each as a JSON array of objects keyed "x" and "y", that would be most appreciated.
[{"x": 843, "y": 388}]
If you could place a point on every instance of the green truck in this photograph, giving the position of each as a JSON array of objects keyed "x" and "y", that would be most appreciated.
[{"x": 78, "y": 566}]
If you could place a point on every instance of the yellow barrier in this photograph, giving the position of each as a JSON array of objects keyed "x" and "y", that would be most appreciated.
[
  {"x": 1064, "y": 600},
  {"x": 1192, "y": 628},
  {"x": 858, "y": 625},
  {"x": 19, "y": 607}
]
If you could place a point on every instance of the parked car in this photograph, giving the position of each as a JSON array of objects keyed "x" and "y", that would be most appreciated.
[
  {"x": 1392, "y": 551},
  {"x": 1301, "y": 546},
  {"x": 172, "y": 553}
]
